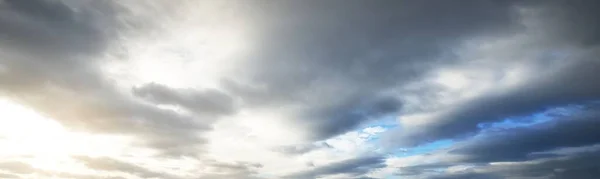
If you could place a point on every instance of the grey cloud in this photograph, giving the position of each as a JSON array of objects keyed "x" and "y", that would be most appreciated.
[
  {"x": 421, "y": 169},
  {"x": 517, "y": 144},
  {"x": 572, "y": 21},
  {"x": 521, "y": 147},
  {"x": 113, "y": 165},
  {"x": 110, "y": 112},
  {"x": 355, "y": 167},
  {"x": 228, "y": 176},
  {"x": 7, "y": 175},
  {"x": 353, "y": 113},
  {"x": 466, "y": 176},
  {"x": 330, "y": 57},
  {"x": 207, "y": 102},
  {"x": 573, "y": 84},
  {"x": 44, "y": 53},
  {"x": 297, "y": 149},
  {"x": 49, "y": 42},
  {"x": 17, "y": 167},
  {"x": 565, "y": 24},
  {"x": 302, "y": 148},
  {"x": 53, "y": 27},
  {"x": 332, "y": 62},
  {"x": 237, "y": 170},
  {"x": 64, "y": 175},
  {"x": 580, "y": 166},
  {"x": 50, "y": 55}
]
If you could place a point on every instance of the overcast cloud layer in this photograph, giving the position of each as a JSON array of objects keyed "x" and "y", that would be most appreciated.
[{"x": 348, "y": 89}]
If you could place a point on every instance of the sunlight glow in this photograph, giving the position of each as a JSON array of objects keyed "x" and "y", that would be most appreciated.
[
  {"x": 45, "y": 143},
  {"x": 177, "y": 58},
  {"x": 452, "y": 80}
]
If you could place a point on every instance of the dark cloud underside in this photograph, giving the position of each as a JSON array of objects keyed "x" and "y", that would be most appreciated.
[
  {"x": 332, "y": 57},
  {"x": 353, "y": 167}
]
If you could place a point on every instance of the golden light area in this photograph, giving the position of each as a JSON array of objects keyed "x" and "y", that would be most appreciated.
[{"x": 43, "y": 143}]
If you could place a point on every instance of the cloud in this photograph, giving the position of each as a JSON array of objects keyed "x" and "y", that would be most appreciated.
[
  {"x": 526, "y": 99},
  {"x": 465, "y": 175},
  {"x": 17, "y": 167},
  {"x": 224, "y": 170},
  {"x": 302, "y": 148},
  {"x": 534, "y": 151},
  {"x": 114, "y": 165},
  {"x": 6, "y": 175},
  {"x": 268, "y": 89},
  {"x": 574, "y": 21},
  {"x": 354, "y": 167},
  {"x": 53, "y": 54},
  {"x": 527, "y": 93},
  {"x": 208, "y": 102},
  {"x": 580, "y": 166},
  {"x": 572, "y": 131},
  {"x": 328, "y": 68},
  {"x": 37, "y": 26}
]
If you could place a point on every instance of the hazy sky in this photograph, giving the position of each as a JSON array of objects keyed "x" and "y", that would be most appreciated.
[{"x": 300, "y": 89}]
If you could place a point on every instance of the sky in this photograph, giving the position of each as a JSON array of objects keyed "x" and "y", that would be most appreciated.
[{"x": 311, "y": 89}]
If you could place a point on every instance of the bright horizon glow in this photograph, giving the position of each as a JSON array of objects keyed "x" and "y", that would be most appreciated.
[{"x": 47, "y": 144}]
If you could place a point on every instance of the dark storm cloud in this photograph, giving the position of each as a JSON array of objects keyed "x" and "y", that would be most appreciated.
[
  {"x": 331, "y": 57},
  {"x": 208, "y": 102},
  {"x": 353, "y": 167}
]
